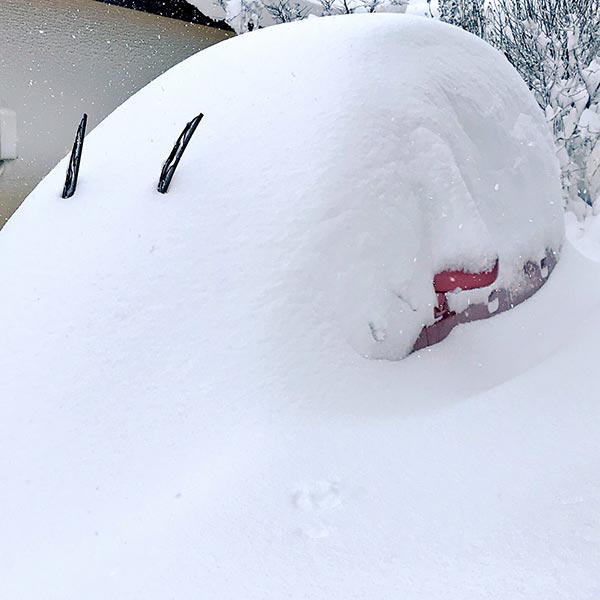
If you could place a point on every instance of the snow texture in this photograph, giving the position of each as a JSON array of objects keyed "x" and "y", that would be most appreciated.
[{"x": 186, "y": 411}]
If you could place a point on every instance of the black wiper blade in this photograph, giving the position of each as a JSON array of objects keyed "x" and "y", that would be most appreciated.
[
  {"x": 73, "y": 169},
  {"x": 171, "y": 163}
]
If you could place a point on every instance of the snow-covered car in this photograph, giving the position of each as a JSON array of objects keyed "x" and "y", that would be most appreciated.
[
  {"x": 190, "y": 411},
  {"x": 372, "y": 180}
]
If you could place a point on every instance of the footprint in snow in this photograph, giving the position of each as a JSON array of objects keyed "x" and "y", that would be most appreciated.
[
  {"x": 318, "y": 495},
  {"x": 317, "y": 498}
]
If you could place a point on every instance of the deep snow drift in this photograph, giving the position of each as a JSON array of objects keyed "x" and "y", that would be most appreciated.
[{"x": 182, "y": 412}]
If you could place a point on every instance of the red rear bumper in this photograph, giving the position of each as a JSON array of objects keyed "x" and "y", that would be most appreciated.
[
  {"x": 535, "y": 274},
  {"x": 447, "y": 281}
]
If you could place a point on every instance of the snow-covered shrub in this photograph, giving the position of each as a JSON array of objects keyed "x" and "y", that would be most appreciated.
[
  {"x": 555, "y": 46},
  {"x": 467, "y": 14},
  {"x": 247, "y": 15}
]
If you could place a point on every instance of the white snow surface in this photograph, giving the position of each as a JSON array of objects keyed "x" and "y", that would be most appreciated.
[{"x": 183, "y": 409}]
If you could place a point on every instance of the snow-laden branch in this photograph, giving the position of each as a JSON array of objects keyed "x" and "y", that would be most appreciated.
[{"x": 247, "y": 15}]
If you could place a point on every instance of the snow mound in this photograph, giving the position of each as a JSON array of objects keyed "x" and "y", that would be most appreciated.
[{"x": 341, "y": 164}]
